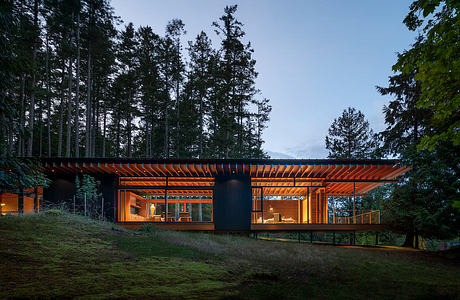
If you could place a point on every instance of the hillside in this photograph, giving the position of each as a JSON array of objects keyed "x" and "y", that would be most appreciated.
[{"x": 56, "y": 254}]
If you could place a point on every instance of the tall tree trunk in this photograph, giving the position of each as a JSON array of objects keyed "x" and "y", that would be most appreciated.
[
  {"x": 147, "y": 139},
  {"x": 32, "y": 95},
  {"x": 118, "y": 135},
  {"x": 152, "y": 121},
  {"x": 22, "y": 118},
  {"x": 128, "y": 124},
  {"x": 95, "y": 126},
  {"x": 48, "y": 98},
  {"x": 88, "y": 108},
  {"x": 177, "y": 121},
  {"x": 77, "y": 92},
  {"x": 61, "y": 113},
  {"x": 40, "y": 122},
  {"x": 104, "y": 128},
  {"x": 10, "y": 137},
  {"x": 129, "y": 134},
  {"x": 69, "y": 108},
  {"x": 201, "y": 127},
  {"x": 166, "y": 148}
]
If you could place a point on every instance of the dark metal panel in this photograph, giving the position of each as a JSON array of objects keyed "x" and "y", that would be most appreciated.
[
  {"x": 108, "y": 184},
  {"x": 61, "y": 190},
  {"x": 232, "y": 202}
]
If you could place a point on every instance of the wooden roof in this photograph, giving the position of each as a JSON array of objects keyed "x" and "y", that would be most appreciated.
[{"x": 340, "y": 176}]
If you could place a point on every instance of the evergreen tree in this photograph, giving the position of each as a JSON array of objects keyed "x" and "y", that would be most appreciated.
[
  {"x": 236, "y": 86},
  {"x": 422, "y": 204},
  {"x": 174, "y": 30},
  {"x": 435, "y": 56},
  {"x": 68, "y": 75},
  {"x": 201, "y": 79},
  {"x": 150, "y": 90},
  {"x": 350, "y": 137}
]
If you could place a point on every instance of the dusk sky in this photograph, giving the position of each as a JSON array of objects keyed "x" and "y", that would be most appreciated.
[{"x": 314, "y": 58}]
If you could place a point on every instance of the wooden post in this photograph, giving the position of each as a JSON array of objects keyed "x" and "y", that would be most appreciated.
[
  {"x": 308, "y": 205},
  {"x": 298, "y": 210},
  {"x": 85, "y": 203},
  {"x": 333, "y": 210},
  {"x": 354, "y": 198},
  {"x": 376, "y": 238},
  {"x": 166, "y": 201},
  {"x": 311, "y": 236},
  {"x": 326, "y": 204},
  {"x": 299, "y": 236},
  {"x": 73, "y": 204}
]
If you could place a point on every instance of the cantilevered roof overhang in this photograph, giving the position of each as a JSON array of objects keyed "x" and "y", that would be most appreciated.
[{"x": 342, "y": 177}]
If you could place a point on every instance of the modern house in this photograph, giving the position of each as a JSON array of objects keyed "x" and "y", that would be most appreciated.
[{"x": 224, "y": 194}]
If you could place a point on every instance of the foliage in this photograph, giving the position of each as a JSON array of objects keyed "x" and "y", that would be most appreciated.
[
  {"x": 436, "y": 56},
  {"x": 71, "y": 81},
  {"x": 422, "y": 203},
  {"x": 87, "y": 190},
  {"x": 17, "y": 174},
  {"x": 350, "y": 136}
]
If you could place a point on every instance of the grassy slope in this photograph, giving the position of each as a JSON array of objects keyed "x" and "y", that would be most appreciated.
[{"x": 56, "y": 254}]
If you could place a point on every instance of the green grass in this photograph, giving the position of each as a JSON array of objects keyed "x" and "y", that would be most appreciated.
[{"x": 55, "y": 255}]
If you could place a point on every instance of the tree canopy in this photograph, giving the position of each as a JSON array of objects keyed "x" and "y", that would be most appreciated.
[
  {"x": 351, "y": 137},
  {"x": 74, "y": 85},
  {"x": 436, "y": 57}
]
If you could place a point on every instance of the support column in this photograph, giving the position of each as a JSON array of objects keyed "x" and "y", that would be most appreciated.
[
  {"x": 36, "y": 201},
  {"x": 21, "y": 202},
  {"x": 333, "y": 209},
  {"x": 354, "y": 199},
  {"x": 166, "y": 200}
]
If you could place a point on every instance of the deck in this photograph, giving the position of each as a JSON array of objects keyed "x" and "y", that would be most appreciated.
[{"x": 208, "y": 226}]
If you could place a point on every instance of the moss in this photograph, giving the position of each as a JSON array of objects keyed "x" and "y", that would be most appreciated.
[{"x": 58, "y": 255}]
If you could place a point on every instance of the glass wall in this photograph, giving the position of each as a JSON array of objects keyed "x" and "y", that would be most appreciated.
[
  {"x": 149, "y": 205},
  {"x": 298, "y": 205},
  {"x": 32, "y": 201}
]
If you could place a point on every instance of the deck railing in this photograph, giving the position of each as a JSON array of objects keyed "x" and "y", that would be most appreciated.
[{"x": 365, "y": 217}]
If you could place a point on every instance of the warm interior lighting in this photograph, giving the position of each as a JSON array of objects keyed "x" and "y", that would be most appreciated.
[{"x": 3, "y": 204}]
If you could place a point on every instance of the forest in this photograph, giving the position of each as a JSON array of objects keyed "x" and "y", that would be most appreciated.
[
  {"x": 78, "y": 82},
  {"x": 74, "y": 85}
]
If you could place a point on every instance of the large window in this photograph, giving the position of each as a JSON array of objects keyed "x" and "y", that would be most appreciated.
[
  {"x": 279, "y": 201},
  {"x": 32, "y": 201},
  {"x": 165, "y": 200}
]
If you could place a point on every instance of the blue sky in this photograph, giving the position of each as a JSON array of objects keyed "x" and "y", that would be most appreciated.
[{"x": 314, "y": 58}]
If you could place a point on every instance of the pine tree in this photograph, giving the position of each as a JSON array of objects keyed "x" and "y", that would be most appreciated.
[
  {"x": 174, "y": 30},
  {"x": 422, "y": 204},
  {"x": 150, "y": 89},
  {"x": 235, "y": 84},
  {"x": 350, "y": 137},
  {"x": 200, "y": 82}
]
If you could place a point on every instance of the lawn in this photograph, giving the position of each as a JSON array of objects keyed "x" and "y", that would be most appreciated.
[{"x": 55, "y": 254}]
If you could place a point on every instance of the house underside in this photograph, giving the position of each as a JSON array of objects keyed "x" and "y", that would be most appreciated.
[{"x": 227, "y": 194}]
